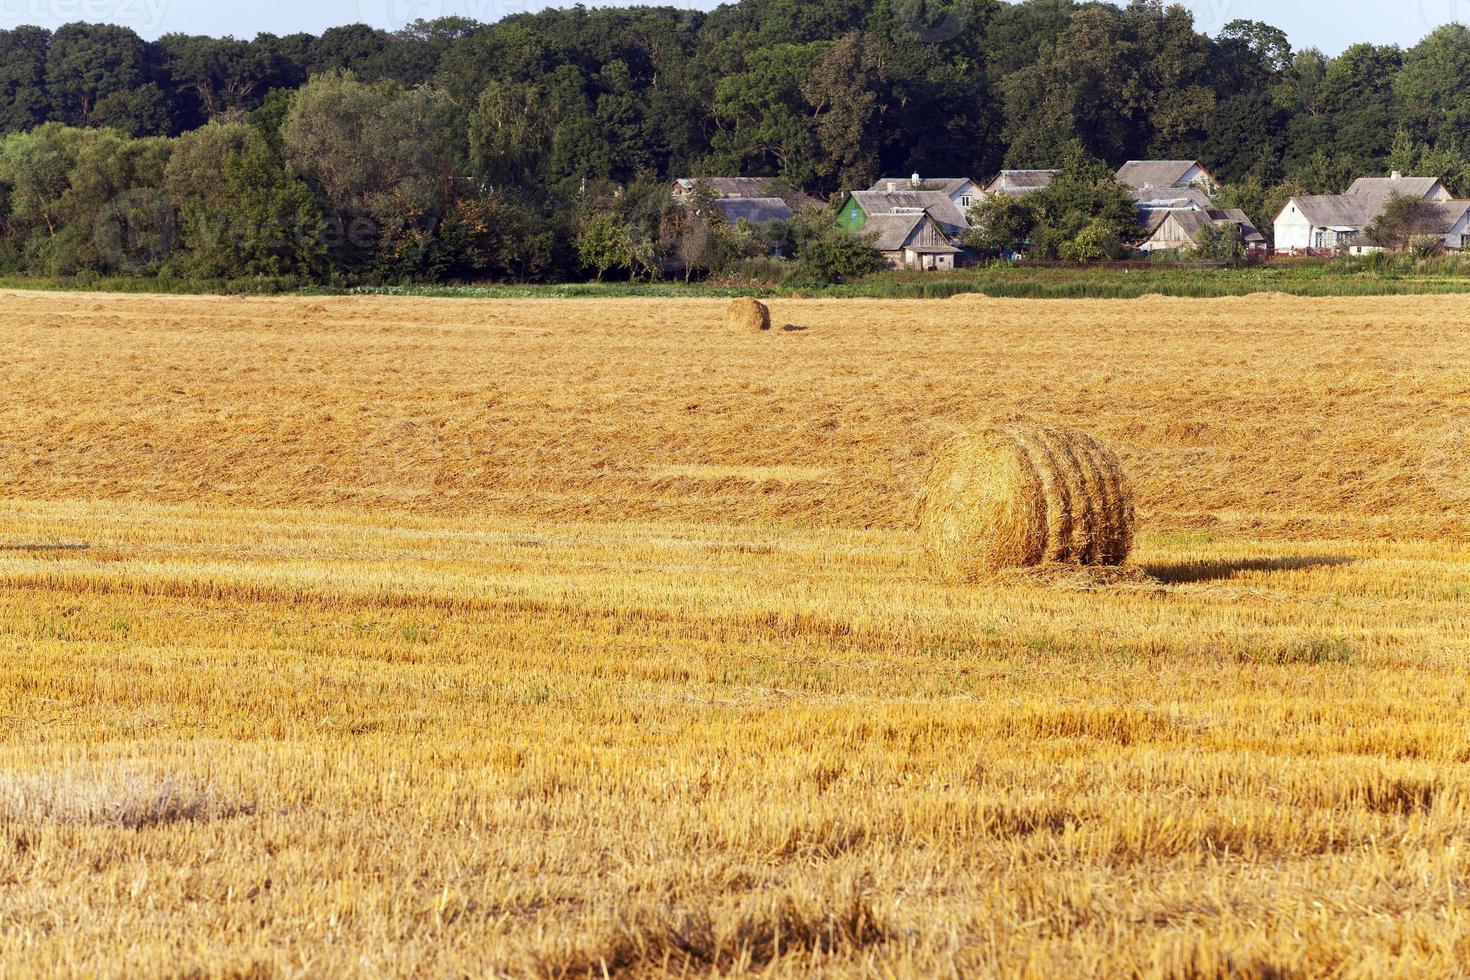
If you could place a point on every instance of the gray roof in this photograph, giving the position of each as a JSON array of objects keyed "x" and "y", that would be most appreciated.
[
  {"x": 1155, "y": 173},
  {"x": 1248, "y": 230},
  {"x": 1022, "y": 179},
  {"x": 949, "y": 185},
  {"x": 1020, "y": 183},
  {"x": 747, "y": 187},
  {"x": 731, "y": 186},
  {"x": 937, "y": 203},
  {"x": 1357, "y": 211},
  {"x": 893, "y": 229},
  {"x": 1446, "y": 214},
  {"x": 1349, "y": 211},
  {"x": 1192, "y": 222},
  {"x": 1420, "y": 187},
  {"x": 755, "y": 210},
  {"x": 1171, "y": 198}
]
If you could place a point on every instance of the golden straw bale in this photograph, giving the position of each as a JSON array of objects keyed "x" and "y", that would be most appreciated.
[
  {"x": 1021, "y": 496},
  {"x": 747, "y": 313}
]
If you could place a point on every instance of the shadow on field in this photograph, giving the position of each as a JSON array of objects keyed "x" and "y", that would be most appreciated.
[
  {"x": 38, "y": 549},
  {"x": 1185, "y": 573}
]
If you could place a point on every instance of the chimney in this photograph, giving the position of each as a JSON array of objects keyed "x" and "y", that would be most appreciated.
[
  {"x": 892, "y": 187},
  {"x": 1396, "y": 175},
  {"x": 916, "y": 181}
]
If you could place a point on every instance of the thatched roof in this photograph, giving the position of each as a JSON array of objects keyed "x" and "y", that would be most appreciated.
[
  {"x": 1155, "y": 173},
  {"x": 1420, "y": 187},
  {"x": 755, "y": 210}
]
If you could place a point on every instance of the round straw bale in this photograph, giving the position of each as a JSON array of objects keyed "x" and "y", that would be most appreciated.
[
  {"x": 1021, "y": 496},
  {"x": 748, "y": 313}
]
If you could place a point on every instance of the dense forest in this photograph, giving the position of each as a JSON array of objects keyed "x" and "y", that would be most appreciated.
[{"x": 540, "y": 147}]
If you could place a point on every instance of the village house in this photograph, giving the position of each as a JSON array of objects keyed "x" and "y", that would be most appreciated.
[
  {"x": 748, "y": 188},
  {"x": 912, "y": 240},
  {"x": 862, "y": 206},
  {"x": 1331, "y": 221},
  {"x": 1182, "y": 228},
  {"x": 754, "y": 210},
  {"x": 1423, "y": 188},
  {"x": 963, "y": 191},
  {"x": 1150, "y": 175},
  {"x": 1171, "y": 199},
  {"x": 1017, "y": 183}
]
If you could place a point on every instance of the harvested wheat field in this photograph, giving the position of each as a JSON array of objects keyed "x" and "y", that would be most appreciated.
[{"x": 369, "y": 637}]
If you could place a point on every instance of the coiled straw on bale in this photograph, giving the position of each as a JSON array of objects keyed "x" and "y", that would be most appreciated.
[
  {"x": 1021, "y": 496},
  {"x": 748, "y": 314}
]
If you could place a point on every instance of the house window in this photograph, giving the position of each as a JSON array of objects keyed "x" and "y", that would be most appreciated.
[
  {"x": 1321, "y": 239},
  {"x": 965, "y": 201},
  {"x": 853, "y": 214}
]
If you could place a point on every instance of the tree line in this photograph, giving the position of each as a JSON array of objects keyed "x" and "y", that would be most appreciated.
[{"x": 541, "y": 147}]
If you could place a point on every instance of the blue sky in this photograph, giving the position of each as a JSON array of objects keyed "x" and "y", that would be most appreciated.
[{"x": 1328, "y": 24}]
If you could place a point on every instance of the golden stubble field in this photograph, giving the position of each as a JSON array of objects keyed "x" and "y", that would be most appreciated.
[{"x": 368, "y": 637}]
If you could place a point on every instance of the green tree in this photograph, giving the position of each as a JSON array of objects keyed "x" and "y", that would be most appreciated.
[
  {"x": 376, "y": 157},
  {"x": 762, "y": 115},
  {"x": 826, "y": 254},
  {"x": 1220, "y": 243},
  {"x": 88, "y": 62},
  {"x": 23, "y": 100},
  {"x": 1001, "y": 225},
  {"x": 1431, "y": 89},
  {"x": 140, "y": 111},
  {"x": 603, "y": 243},
  {"x": 842, "y": 91},
  {"x": 1363, "y": 111},
  {"x": 1404, "y": 220},
  {"x": 85, "y": 199},
  {"x": 243, "y": 213},
  {"x": 1084, "y": 212}
]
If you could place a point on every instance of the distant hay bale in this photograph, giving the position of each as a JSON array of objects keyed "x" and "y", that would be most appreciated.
[
  {"x": 748, "y": 314},
  {"x": 1022, "y": 496}
]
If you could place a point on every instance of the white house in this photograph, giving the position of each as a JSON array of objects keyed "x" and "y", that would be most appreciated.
[
  {"x": 1338, "y": 220},
  {"x": 963, "y": 191},
  {"x": 1325, "y": 221}
]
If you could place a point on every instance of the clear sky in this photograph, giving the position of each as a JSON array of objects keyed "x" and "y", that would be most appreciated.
[{"x": 1328, "y": 24}]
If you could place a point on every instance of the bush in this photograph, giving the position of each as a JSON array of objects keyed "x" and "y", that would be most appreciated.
[{"x": 828, "y": 255}]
